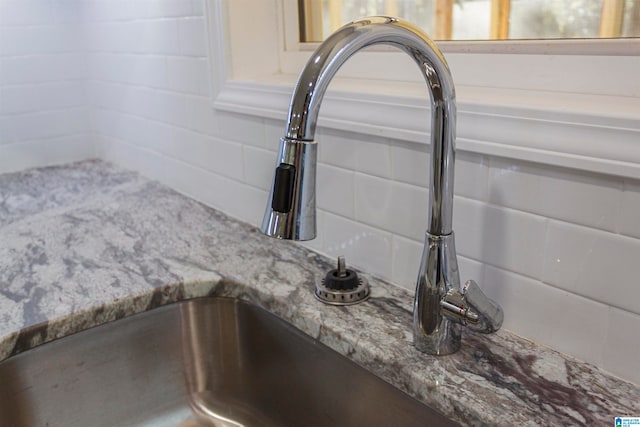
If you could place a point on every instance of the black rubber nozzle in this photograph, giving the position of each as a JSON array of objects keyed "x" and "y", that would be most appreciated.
[{"x": 283, "y": 188}]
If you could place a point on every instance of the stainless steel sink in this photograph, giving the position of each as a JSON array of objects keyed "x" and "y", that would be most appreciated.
[{"x": 205, "y": 362}]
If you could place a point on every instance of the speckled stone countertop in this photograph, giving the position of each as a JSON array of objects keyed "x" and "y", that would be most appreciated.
[{"x": 88, "y": 243}]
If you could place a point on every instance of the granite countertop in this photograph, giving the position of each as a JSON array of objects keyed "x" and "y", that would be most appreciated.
[{"x": 87, "y": 243}]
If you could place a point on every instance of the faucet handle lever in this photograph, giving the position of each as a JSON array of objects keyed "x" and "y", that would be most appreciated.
[
  {"x": 489, "y": 311},
  {"x": 472, "y": 308}
]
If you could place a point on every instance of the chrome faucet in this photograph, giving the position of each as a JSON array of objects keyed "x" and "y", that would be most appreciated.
[{"x": 441, "y": 306}]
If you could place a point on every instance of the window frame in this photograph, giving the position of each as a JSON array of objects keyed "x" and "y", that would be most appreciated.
[
  {"x": 604, "y": 46},
  {"x": 553, "y": 119}
]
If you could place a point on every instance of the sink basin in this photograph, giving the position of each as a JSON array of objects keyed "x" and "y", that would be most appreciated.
[{"x": 204, "y": 362}]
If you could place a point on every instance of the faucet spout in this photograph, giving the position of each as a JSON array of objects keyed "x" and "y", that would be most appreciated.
[{"x": 291, "y": 213}]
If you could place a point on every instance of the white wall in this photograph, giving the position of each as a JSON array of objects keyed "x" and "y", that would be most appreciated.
[
  {"x": 152, "y": 104},
  {"x": 44, "y": 116},
  {"x": 558, "y": 248}
]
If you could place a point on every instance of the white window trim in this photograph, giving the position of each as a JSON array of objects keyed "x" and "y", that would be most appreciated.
[{"x": 575, "y": 118}]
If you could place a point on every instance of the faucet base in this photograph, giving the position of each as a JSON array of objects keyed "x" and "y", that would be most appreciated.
[
  {"x": 433, "y": 333},
  {"x": 445, "y": 341}
]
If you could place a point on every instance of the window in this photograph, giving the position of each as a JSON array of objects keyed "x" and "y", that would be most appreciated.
[
  {"x": 566, "y": 103},
  {"x": 482, "y": 19}
]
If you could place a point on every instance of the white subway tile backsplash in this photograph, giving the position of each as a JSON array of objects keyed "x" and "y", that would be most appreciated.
[
  {"x": 65, "y": 38},
  {"x": 45, "y": 152},
  {"x": 470, "y": 270},
  {"x": 126, "y": 155},
  {"x": 239, "y": 200},
  {"x": 257, "y": 199},
  {"x": 373, "y": 156},
  {"x": 336, "y": 150},
  {"x": 630, "y": 210},
  {"x": 42, "y": 68},
  {"x": 392, "y": 206},
  {"x": 69, "y": 11},
  {"x": 144, "y": 37},
  {"x": 43, "y": 125},
  {"x": 149, "y": 162},
  {"x": 123, "y": 126},
  {"x": 181, "y": 176},
  {"x": 362, "y": 153},
  {"x": 114, "y": 123},
  {"x": 107, "y": 67},
  {"x": 109, "y": 10},
  {"x": 318, "y": 243},
  {"x": 259, "y": 165},
  {"x": 38, "y": 125},
  {"x": 18, "y": 99},
  {"x": 201, "y": 117},
  {"x": 197, "y": 7},
  {"x": 105, "y": 95},
  {"x": 146, "y": 102},
  {"x": 620, "y": 351},
  {"x": 596, "y": 264},
  {"x": 126, "y": 10},
  {"x": 244, "y": 129},
  {"x": 410, "y": 163},
  {"x": 471, "y": 176},
  {"x": 156, "y": 36},
  {"x": 109, "y": 37},
  {"x": 149, "y": 9},
  {"x": 226, "y": 194},
  {"x": 146, "y": 70},
  {"x": 335, "y": 190},
  {"x": 365, "y": 247},
  {"x": 221, "y": 157},
  {"x": 68, "y": 148},
  {"x": 143, "y": 70},
  {"x": 211, "y": 154},
  {"x": 197, "y": 149},
  {"x": 405, "y": 261},
  {"x": 79, "y": 120},
  {"x": 273, "y": 131},
  {"x": 505, "y": 238},
  {"x": 577, "y": 197},
  {"x": 20, "y": 41},
  {"x": 566, "y": 322},
  {"x": 25, "y": 12},
  {"x": 193, "y": 41},
  {"x": 187, "y": 75},
  {"x": 168, "y": 107}
]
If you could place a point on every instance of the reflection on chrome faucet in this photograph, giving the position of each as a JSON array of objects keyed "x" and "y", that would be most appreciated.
[{"x": 441, "y": 306}]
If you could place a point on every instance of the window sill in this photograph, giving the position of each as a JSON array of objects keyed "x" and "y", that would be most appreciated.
[{"x": 597, "y": 133}]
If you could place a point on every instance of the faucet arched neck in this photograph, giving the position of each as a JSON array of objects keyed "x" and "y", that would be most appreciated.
[{"x": 344, "y": 43}]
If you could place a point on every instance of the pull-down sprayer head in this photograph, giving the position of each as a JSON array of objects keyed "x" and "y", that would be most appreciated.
[{"x": 291, "y": 213}]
